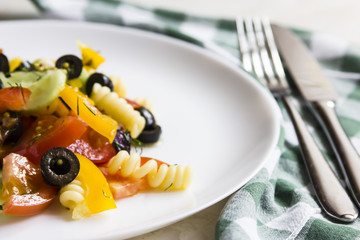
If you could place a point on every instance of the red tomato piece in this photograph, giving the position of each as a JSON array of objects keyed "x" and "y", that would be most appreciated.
[
  {"x": 124, "y": 187},
  {"x": 145, "y": 159},
  {"x": 48, "y": 132},
  {"x": 14, "y": 98},
  {"x": 93, "y": 146},
  {"x": 133, "y": 103},
  {"x": 27, "y": 121},
  {"x": 24, "y": 190}
]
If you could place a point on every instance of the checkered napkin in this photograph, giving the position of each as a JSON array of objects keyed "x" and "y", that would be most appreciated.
[{"x": 279, "y": 202}]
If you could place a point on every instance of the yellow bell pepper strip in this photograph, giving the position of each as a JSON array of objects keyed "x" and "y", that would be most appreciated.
[
  {"x": 80, "y": 82},
  {"x": 82, "y": 106},
  {"x": 90, "y": 58},
  {"x": 14, "y": 64},
  {"x": 96, "y": 193},
  {"x": 75, "y": 83}
]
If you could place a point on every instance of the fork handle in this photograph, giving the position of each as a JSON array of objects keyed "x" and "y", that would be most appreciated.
[
  {"x": 330, "y": 193},
  {"x": 348, "y": 156}
]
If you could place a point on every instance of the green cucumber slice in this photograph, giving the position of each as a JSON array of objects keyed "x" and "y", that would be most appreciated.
[{"x": 45, "y": 86}]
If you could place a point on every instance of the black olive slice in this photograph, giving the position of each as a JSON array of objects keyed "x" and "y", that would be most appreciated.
[
  {"x": 72, "y": 64},
  {"x": 122, "y": 141},
  {"x": 4, "y": 64},
  {"x": 149, "y": 118},
  {"x": 100, "y": 78},
  {"x": 150, "y": 135},
  {"x": 1, "y": 84},
  {"x": 11, "y": 127},
  {"x": 59, "y": 166}
]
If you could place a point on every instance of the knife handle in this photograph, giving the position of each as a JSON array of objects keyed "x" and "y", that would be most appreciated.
[
  {"x": 329, "y": 191},
  {"x": 349, "y": 157}
]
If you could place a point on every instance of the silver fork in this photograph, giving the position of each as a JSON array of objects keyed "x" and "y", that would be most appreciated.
[{"x": 259, "y": 54}]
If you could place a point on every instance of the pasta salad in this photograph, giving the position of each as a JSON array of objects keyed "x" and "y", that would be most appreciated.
[{"x": 67, "y": 133}]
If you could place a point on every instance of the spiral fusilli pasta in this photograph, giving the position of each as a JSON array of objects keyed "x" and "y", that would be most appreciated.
[
  {"x": 145, "y": 102},
  {"x": 72, "y": 194},
  {"x": 118, "y": 109},
  {"x": 165, "y": 177},
  {"x": 119, "y": 86}
]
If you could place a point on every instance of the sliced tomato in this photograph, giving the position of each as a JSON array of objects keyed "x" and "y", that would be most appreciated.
[
  {"x": 27, "y": 121},
  {"x": 14, "y": 98},
  {"x": 93, "y": 146},
  {"x": 24, "y": 191},
  {"x": 47, "y": 132},
  {"x": 133, "y": 103},
  {"x": 145, "y": 159},
  {"x": 122, "y": 187}
]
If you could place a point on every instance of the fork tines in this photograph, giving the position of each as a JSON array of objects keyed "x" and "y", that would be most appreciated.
[{"x": 259, "y": 53}]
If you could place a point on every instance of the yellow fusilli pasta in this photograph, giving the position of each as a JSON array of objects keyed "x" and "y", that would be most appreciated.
[
  {"x": 165, "y": 177},
  {"x": 119, "y": 86},
  {"x": 118, "y": 109},
  {"x": 72, "y": 194},
  {"x": 146, "y": 103}
]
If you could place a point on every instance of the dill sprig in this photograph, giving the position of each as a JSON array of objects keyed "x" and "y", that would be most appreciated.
[
  {"x": 22, "y": 91},
  {"x": 77, "y": 105},
  {"x": 34, "y": 139},
  {"x": 65, "y": 104},
  {"x": 168, "y": 187},
  {"x": 90, "y": 109},
  {"x": 9, "y": 83},
  {"x": 105, "y": 194},
  {"x": 138, "y": 144}
]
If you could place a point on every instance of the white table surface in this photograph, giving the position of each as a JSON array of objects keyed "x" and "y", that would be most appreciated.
[{"x": 339, "y": 18}]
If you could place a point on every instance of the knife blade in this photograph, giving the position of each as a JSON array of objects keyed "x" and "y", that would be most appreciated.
[{"x": 321, "y": 97}]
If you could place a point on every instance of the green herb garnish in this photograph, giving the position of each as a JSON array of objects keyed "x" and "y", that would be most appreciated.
[
  {"x": 138, "y": 144},
  {"x": 105, "y": 194},
  {"x": 77, "y": 105},
  {"x": 34, "y": 139},
  {"x": 22, "y": 91},
  {"x": 21, "y": 88},
  {"x": 90, "y": 109},
  {"x": 168, "y": 187}
]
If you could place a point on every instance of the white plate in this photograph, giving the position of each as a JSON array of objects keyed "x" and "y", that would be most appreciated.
[{"x": 213, "y": 115}]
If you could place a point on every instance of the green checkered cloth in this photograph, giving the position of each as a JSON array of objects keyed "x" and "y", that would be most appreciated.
[{"x": 279, "y": 202}]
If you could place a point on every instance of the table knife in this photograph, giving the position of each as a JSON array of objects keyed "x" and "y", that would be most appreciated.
[{"x": 321, "y": 97}]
